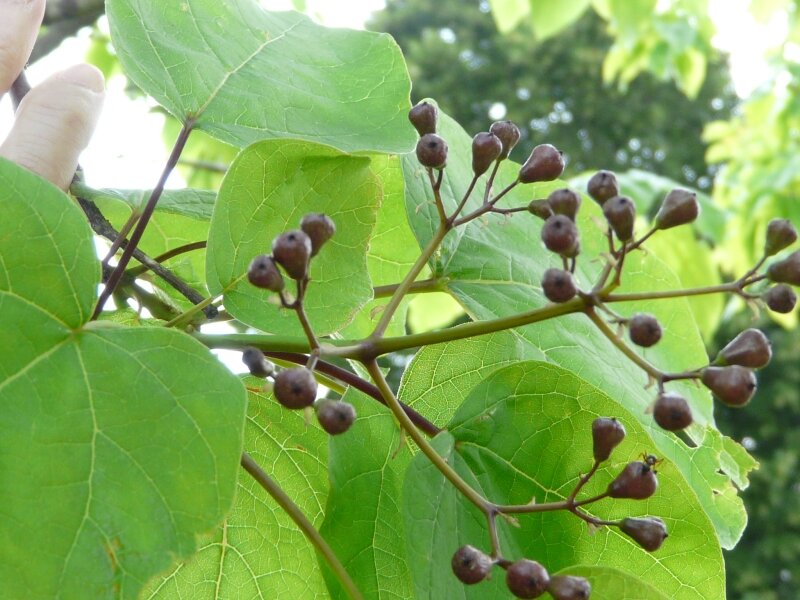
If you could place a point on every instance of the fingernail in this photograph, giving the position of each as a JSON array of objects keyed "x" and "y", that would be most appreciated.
[{"x": 84, "y": 75}]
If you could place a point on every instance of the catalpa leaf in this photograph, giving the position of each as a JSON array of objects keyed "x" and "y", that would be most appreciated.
[{"x": 118, "y": 446}]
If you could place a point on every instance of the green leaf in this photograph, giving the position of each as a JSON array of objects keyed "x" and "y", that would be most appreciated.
[
  {"x": 550, "y": 18},
  {"x": 613, "y": 583},
  {"x": 363, "y": 519},
  {"x": 118, "y": 446},
  {"x": 525, "y": 432},
  {"x": 259, "y": 552},
  {"x": 393, "y": 249},
  {"x": 508, "y": 14},
  {"x": 493, "y": 267},
  {"x": 268, "y": 189},
  {"x": 243, "y": 74}
]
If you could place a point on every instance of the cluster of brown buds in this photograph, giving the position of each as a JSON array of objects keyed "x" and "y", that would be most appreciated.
[{"x": 296, "y": 388}]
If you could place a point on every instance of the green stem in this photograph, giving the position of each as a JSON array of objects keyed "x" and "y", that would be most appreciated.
[
  {"x": 141, "y": 269},
  {"x": 423, "y": 286},
  {"x": 405, "y": 285},
  {"x": 308, "y": 529},
  {"x": 423, "y": 444},
  {"x": 181, "y": 318},
  {"x": 732, "y": 287}
]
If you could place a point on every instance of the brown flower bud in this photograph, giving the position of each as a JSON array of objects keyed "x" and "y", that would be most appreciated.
[
  {"x": 423, "y": 117},
  {"x": 292, "y": 250},
  {"x": 679, "y": 207},
  {"x": 432, "y": 151},
  {"x": 648, "y": 532},
  {"x": 471, "y": 565},
  {"x": 569, "y": 587},
  {"x": 319, "y": 228},
  {"x": 751, "y": 348},
  {"x": 607, "y": 433},
  {"x": 558, "y": 285},
  {"x": 545, "y": 163},
  {"x": 560, "y": 235},
  {"x": 486, "y": 147},
  {"x": 733, "y": 385},
  {"x": 603, "y": 186},
  {"x": 637, "y": 481},
  {"x": 508, "y": 134},
  {"x": 263, "y": 273},
  {"x": 527, "y": 579},
  {"x": 780, "y": 298},
  {"x": 672, "y": 412},
  {"x": 564, "y": 202},
  {"x": 620, "y": 212},
  {"x": 786, "y": 270},
  {"x": 780, "y": 234}
]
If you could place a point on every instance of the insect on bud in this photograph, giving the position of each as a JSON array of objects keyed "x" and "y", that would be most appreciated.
[
  {"x": 432, "y": 151},
  {"x": 751, "y": 348},
  {"x": 423, "y": 117},
  {"x": 607, "y": 433},
  {"x": 620, "y": 212},
  {"x": 508, "y": 134},
  {"x": 545, "y": 163},
  {"x": 679, "y": 207},
  {"x": 648, "y": 532},
  {"x": 637, "y": 481},
  {"x": 564, "y": 202},
  {"x": 486, "y": 147},
  {"x": 780, "y": 234}
]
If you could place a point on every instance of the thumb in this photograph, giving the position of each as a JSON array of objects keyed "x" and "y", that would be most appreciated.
[{"x": 54, "y": 123}]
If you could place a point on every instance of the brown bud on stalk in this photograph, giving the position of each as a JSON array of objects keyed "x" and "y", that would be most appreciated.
[
  {"x": 256, "y": 363},
  {"x": 558, "y": 285},
  {"x": 295, "y": 388},
  {"x": 751, "y": 348},
  {"x": 335, "y": 416},
  {"x": 564, "y": 202},
  {"x": 560, "y": 235},
  {"x": 637, "y": 481},
  {"x": 644, "y": 330},
  {"x": 263, "y": 273},
  {"x": 672, "y": 412},
  {"x": 780, "y": 298},
  {"x": 786, "y": 270},
  {"x": 648, "y": 532},
  {"x": 319, "y": 228},
  {"x": 603, "y": 186},
  {"x": 423, "y": 117},
  {"x": 607, "y": 433},
  {"x": 733, "y": 385},
  {"x": 292, "y": 250},
  {"x": 569, "y": 587},
  {"x": 540, "y": 208},
  {"x": 432, "y": 151},
  {"x": 780, "y": 234},
  {"x": 470, "y": 565},
  {"x": 486, "y": 147},
  {"x": 527, "y": 579},
  {"x": 679, "y": 207},
  {"x": 508, "y": 134},
  {"x": 545, "y": 163},
  {"x": 620, "y": 212}
]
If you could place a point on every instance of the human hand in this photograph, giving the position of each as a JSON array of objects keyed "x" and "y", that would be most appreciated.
[{"x": 55, "y": 120}]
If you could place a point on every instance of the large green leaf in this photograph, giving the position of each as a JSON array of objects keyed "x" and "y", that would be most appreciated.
[
  {"x": 363, "y": 519},
  {"x": 268, "y": 189},
  {"x": 493, "y": 266},
  {"x": 117, "y": 446},
  {"x": 392, "y": 249},
  {"x": 243, "y": 74},
  {"x": 258, "y": 552},
  {"x": 525, "y": 432}
]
